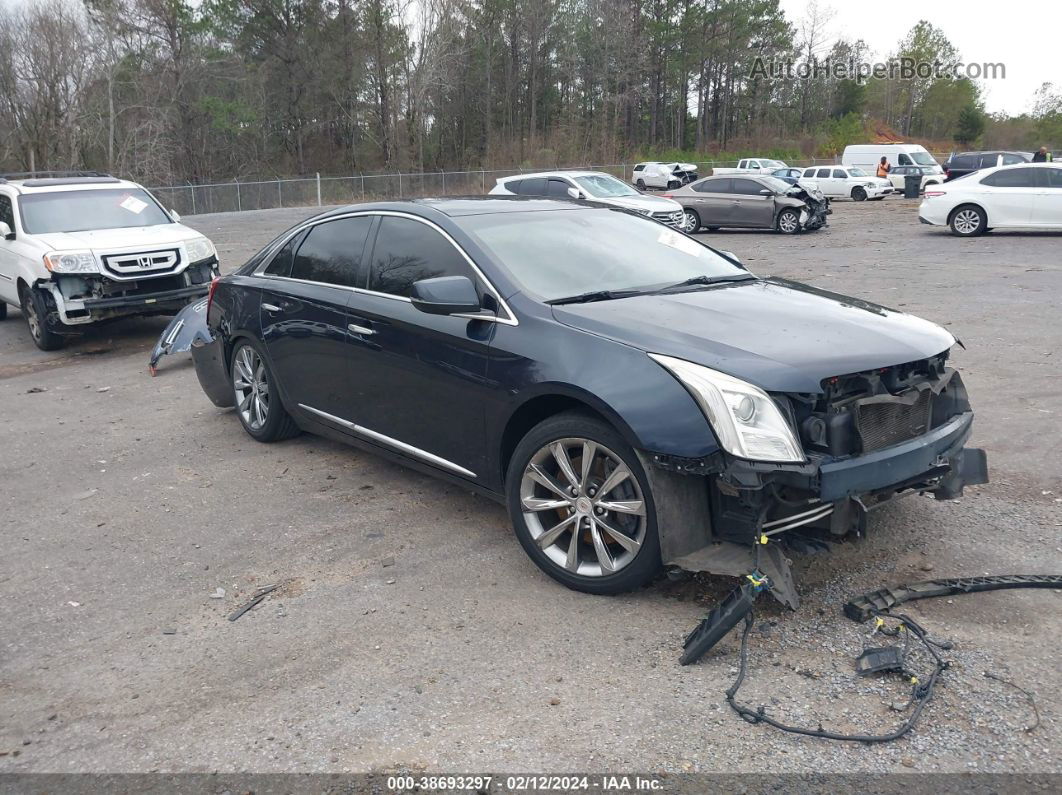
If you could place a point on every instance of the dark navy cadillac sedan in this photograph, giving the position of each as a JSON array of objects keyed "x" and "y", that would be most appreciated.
[{"x": 634, "y": 397}]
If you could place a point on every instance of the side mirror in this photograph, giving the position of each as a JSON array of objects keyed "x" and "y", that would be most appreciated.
[
  {"x": 445, "y": 295},
  {"x": 766, "y": 192},
  {"x": 176, "y": 216},
  {"x": 575, "y": 193},
  {"x": 5, "y": 231}
]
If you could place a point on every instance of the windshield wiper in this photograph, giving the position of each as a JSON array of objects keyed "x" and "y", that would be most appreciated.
[
  {"x": 595, "y": 295},
  {"x": 698, "y": 280}
]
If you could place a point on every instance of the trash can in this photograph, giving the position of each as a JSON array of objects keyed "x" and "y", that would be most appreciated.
[{"x": 912, "y": 184}]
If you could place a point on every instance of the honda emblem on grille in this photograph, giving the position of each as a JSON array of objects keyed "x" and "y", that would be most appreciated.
[{"x": 144, "y": 262}]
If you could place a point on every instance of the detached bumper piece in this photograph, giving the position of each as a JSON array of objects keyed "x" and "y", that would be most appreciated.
[
  {"x": 187, "y": 326},
  {"x": 881, "y": 600}
]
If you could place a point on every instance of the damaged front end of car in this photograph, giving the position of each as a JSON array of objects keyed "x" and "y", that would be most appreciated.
[
  {"x": 866, "y": 439},
  {"x": 816, "y": 207}
]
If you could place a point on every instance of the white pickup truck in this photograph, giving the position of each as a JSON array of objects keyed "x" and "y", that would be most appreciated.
[{"x": 752, "y": 165}]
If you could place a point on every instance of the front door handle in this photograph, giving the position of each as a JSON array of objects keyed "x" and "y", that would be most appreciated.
[
  {"x": 354, "y": 328},
  {"x": 270, "y": 307}
]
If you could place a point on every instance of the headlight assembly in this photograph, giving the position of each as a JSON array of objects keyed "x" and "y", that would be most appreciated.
[
  {"x": 746, "y": 421},
  {"x": 71, "y": 262},
  {"x": 199, "y": 249}
]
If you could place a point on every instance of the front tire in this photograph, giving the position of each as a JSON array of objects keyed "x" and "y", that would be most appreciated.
[
  {"x": 256, "y": 397},
  {"x": 788, "y": 222},
  {"x": 691, "y": 222},
  {"x": 859, "y": 194},
  {"x": 968, "y": 221},
  {"x": 580, "y": 503},
  {"x": 36, "y": 309}
]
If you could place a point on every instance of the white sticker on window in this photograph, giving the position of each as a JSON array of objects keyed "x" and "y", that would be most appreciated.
[
  {"x": 133, "y": 204},
  {"x": 681, "y": 243}
]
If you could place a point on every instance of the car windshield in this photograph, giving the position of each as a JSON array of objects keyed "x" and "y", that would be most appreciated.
[
  {"x": 84, "y": 210},
  {"x": 564, "y": 253},
  {"x": 923, "y": 158},
  {"x": 775, "y": 184},
  {"x": 858, "y": 172},
  {"x": 604, "y": 186}
]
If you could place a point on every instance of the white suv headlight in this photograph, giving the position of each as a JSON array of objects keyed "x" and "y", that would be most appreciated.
[
  {"x": 71, "y": 262},
  {"x": 199, "y": 249},
  {"x": 746, "y": 421}
]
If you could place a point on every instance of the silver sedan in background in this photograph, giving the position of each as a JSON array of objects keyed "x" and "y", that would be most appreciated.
[{"x": 746, "y": 201}]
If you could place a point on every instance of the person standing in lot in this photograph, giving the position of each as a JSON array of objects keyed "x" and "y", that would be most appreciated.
[
  {"x": 883, "y": 167},
  {"x": 1042, "y": 156}
]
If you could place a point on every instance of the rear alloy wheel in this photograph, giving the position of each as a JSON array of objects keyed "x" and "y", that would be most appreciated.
[
  {"x": 36, "y": 310},
  {"x": 859, "y": 194},
  {"x": 789, "y": 222},
  {"x": 257, "y": 402},
  {"x": 641, "y": 184},
  {"x": 580, "y": 503},
  {"x": 968, "y": 221},
  {"x": 691, "y": 222}
]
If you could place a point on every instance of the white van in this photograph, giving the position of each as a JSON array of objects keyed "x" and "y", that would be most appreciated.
[{"x": 867, "y": 156}]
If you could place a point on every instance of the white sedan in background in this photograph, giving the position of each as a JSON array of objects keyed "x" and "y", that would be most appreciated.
[
  {"x": 843, "y": 182},
  {"x": 1021, "y": 195},
  {"x": 595, "y": 186}
]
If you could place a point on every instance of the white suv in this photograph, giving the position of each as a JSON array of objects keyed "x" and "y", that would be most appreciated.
[
  {"x": 663, "y": 175},
  {"x": 842, "y": 182},
  {"x": 80, "y": 247}
]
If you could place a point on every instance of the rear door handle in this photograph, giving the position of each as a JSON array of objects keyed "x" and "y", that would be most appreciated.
[
  {"x": 270, "y": 307},
  {"x": 354, "y": 328}
]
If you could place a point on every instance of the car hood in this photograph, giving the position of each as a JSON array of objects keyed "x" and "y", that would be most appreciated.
[
  {"x": 652, "y": 204},
  {"x": 782, "y": 336},
  {"x": 137, "y": 237}
]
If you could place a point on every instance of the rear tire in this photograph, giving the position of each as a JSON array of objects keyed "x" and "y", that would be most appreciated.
[
  {"x": 590, "y": 507},
  {"x": 968, "y": 220},
  {"x": 256, "y": 397},
  {"x": 641, "y": 184},
  {"x": 859, "y": 194},
  {"x": 36, "y": 308}
]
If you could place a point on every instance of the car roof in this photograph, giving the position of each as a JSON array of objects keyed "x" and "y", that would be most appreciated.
[
  {"x": 560, "y": 172},
  {"x": 31, "y": 185},
  {"x": 459, "y": 206}
]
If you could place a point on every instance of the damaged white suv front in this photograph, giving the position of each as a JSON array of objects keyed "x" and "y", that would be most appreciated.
[{"x": 78, "y": 249}]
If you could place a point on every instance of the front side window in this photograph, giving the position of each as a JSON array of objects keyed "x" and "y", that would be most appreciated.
[
  {"x": 7, "y": 211},
  {"x": 904, "y": 160},
  {"x": 407, "y": 251},
  {"x": 839, "y": 174},
  {"x": 84, "y": 210},
  {"x": 1012, "y": 178},
  {"x": 533, "y": 187},
  {"x": 747, "y": 187},
  {"x": 1054, "y": 177},
  {"x": 558, "y": 188},
  {"x": 857, "y": 172},
  {"x": 331, "y": 253},
  {"x": 559, "y": 254},
  {"x": 1010, "y": 160},
  {"x": 921, "y": 158}
]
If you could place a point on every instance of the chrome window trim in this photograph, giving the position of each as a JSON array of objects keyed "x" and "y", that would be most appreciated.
[
  {"x": 409, "y": 449},
  {"x": 509, "y": 319}
]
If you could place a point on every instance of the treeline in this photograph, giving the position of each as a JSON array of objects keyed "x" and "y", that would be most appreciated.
[{"x": 174, "y": 91}]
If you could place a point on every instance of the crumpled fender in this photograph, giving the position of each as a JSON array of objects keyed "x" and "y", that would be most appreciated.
[{"x": 187, "y": 326}]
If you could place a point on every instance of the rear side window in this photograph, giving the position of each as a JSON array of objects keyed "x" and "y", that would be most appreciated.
[
  {"x": 1054, "y": 177},
  {"x": 963, "y": 161},
  {"x": 989, "y": 161},
  {"x": 281, "y": 262},
  {"x": 1012, "y": 178},
  {"x": 7, "y": 212},
  {"x": 1010, "y": 160},
  {"x": 712, "y": 186},
  {"x": 532, "y": 187},
  {"x": 332, "y": 252},
  {"x": 640, "y": 167},
  {"x": 407, "y": 251},
  {"x": 512, "y": 185},
  {"x": 747, "y": 187}
]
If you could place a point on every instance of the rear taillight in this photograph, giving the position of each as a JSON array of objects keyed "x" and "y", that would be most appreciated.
[
  {"x": 210, "y": 293},
  {"x": 666, "y": 196},
  {"x": 929, "y": 194}
]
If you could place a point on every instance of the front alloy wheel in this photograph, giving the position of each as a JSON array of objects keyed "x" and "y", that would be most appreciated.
[
  {"x": 788, "y": 222},
  {"x": 578, "y": 497},
  {"x": 690, "y": 222}
]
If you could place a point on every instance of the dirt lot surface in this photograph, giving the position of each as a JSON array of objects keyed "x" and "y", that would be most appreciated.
[{"x": 412, "y": 632}]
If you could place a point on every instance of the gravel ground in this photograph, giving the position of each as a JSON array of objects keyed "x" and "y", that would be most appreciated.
[{"x": 412, "y": 632}]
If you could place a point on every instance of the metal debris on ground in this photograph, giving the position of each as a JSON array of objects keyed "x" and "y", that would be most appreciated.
[{"x": 253, "y": 602}]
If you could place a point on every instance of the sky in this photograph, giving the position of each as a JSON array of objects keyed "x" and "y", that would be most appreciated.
[{"x": 1021, "y": 34}]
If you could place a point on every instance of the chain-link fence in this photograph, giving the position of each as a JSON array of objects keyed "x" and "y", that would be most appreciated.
[{"x": 237, "y": 196}]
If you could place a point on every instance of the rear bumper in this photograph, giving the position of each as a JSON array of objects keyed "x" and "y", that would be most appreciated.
[{"x": 212, "y": 371}]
